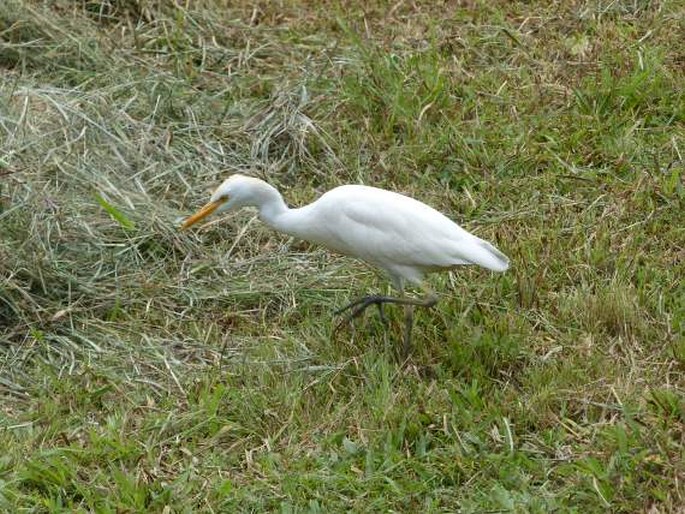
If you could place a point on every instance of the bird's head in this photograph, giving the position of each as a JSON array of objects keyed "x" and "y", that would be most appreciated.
[{"x": 235, "y": 192}]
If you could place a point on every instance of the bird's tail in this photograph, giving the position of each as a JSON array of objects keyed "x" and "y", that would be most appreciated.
[{"x": 489, "y": 257}]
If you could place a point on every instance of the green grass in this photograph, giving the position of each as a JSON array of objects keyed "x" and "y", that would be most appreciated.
[{"x": 149, "y": 370}]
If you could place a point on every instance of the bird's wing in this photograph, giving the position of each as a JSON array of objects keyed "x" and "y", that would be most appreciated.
[
  {"x": 388, "y": 228},
  {"x": 392, "y": 230}
]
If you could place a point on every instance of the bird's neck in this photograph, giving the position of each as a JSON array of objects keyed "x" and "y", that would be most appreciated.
[
  {"x": 272, "y": 207},
  {"x": 274, "y": 212}
]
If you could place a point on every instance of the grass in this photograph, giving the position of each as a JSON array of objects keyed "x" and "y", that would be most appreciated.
[{"x": 148, "y": 370}]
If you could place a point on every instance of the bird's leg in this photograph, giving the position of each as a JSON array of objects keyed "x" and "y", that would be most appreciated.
[
  {"x": 381, "y": 314},
  {"x": 357, "y": 307},
  {"x": 428, "y": 301},
  {"x": 408, "y": 323}
]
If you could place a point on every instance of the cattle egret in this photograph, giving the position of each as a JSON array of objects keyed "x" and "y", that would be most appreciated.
[{"x": 400, "y": 235}]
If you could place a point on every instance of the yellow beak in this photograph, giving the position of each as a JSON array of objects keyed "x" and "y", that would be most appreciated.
[{"x": 201, "y": 214}]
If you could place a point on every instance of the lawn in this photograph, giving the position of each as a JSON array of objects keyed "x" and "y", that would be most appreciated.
[{"x": 145, "y": 369}]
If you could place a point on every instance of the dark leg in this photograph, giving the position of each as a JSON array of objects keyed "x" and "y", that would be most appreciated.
[
  {"x": 362, "y": 303},
  {"x": 381, "y": 314},
  {"x": 358, "y": 306},
  {"x": 408, "y": 323}
]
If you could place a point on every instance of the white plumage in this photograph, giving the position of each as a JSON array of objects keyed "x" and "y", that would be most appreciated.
[{"x": 402, "y": 236}]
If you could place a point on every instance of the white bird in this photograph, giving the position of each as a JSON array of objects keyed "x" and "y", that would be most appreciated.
[{"x": 402, "y": 236}]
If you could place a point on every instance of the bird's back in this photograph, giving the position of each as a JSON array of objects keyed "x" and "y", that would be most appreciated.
[{"x": 394, "y": 232}]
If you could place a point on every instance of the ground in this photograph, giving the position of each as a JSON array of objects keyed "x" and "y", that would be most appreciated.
[{"x": 144, "y": 369}]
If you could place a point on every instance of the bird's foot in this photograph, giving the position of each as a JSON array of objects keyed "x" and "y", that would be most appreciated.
[{"x": 358, "y": 306}]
